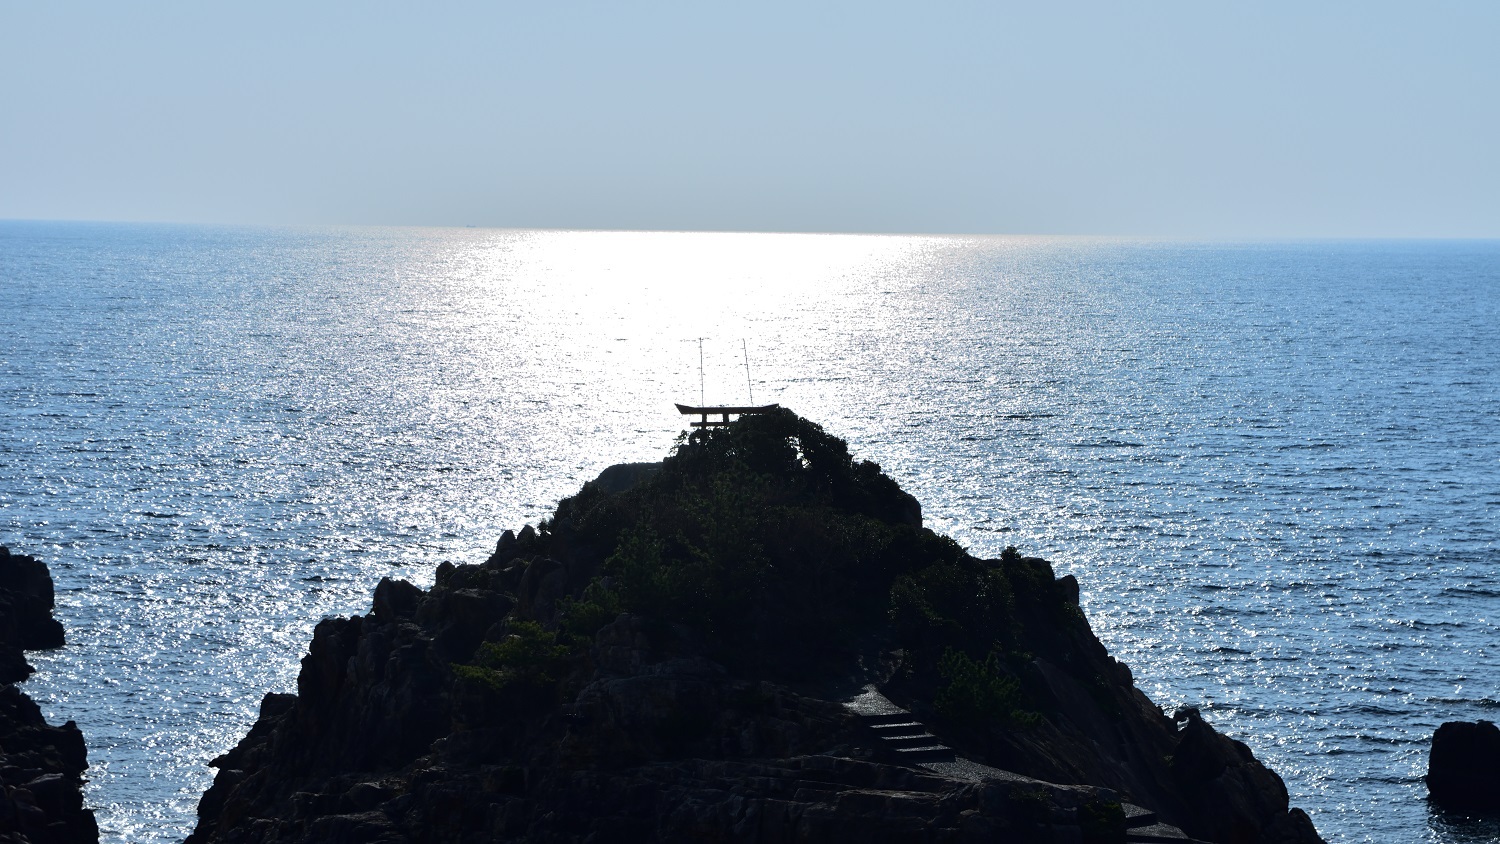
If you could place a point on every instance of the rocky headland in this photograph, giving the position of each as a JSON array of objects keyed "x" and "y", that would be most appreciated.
[
  {"x": 41, "y": 766},
  {"x": 754, "y": 640}
]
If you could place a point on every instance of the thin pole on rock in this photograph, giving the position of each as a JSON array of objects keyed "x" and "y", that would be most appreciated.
[
  {"x": 748, "y": 386},
  {"x": 702, "y": 392}
]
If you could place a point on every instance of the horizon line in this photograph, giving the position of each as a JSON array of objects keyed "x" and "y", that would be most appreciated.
[{"x": 1180, "y": 238}]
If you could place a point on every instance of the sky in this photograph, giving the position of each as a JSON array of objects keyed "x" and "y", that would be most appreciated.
[{"x": 1170, "y": 119}]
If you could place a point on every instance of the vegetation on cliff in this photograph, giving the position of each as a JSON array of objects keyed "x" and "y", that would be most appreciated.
[
  {"x": 794, "y": 561},
  {"x": 667, "y": 656}
]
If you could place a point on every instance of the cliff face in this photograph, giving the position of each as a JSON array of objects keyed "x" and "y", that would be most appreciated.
[
  {"x": 41, "y": 766},
  {"x": 673, "y": 656}
]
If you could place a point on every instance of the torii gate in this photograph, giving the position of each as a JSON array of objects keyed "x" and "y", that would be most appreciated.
[{"x": 723, "y": 412}]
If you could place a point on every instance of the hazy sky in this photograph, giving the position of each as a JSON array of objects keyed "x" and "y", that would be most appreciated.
[{"x": 1198, "y": 119}]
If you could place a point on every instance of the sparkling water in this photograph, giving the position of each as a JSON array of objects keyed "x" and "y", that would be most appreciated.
[{"x": 1273, "y": 467}]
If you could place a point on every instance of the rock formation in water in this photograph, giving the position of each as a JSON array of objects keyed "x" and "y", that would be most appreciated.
[
  {"x": 26, "y": 621},
  {"x": 1463, "y": 768},
  {"x": 754, "y": 640},
  {"x": 41, "y": 766}
]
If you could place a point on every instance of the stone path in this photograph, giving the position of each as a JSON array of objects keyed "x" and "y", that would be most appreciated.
[{"x": 904, "y": 739}]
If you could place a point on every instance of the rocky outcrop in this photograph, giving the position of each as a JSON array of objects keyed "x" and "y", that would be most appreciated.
[
  {"x": 670, "y": 658},
  {"x": 1078, "y": 718},
  {"x": 1463, "y": 769},
  {"x": 41, "y": 769},
  {"x": 1225, "y": 793},
  {"x": 26, "y": 621},
  {"x": 659, "y": 744},
  {"x": 41, "y": 766}
]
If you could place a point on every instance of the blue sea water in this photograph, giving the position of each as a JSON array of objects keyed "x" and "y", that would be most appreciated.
[{"x": 1273, "y": 467}]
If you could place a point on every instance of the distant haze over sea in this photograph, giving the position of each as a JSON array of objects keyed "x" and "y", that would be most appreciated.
[{"x": 1274, "y": 468}]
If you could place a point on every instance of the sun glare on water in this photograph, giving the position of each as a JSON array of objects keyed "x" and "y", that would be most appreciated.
[{"x": 625, "y": 310}]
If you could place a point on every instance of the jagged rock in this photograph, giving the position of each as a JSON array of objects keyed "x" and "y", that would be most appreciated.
[
  {"x": 505, "y": 543},
  {"x": 1249, "y": 801},
  {"x": 667, "y": 658},
  {"x": 1067, "y": 586},
  {"x": 41, "y": 766},
  {"x": 26, "y": 621},
  {"x": 526, "y": 539},
  {"x": 395, "y": 600},
  {"x": 1463, "y": 768},
  {"x": 460, "y": 618}
]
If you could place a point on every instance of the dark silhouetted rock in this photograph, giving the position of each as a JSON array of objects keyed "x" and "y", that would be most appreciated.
[
  {"x": 395, "y": 600},
  {"x": 669, "y": 657},
  {"x": 1463, "y": 770},
  {"x": 26, "y": 621},
  {"x": 623, "y": 476},
  {"x": 41, "y": 766},
  {"x": 1248, "y": 800}
]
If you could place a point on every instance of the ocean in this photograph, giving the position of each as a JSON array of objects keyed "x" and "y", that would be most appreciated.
[{"x": 1274, "y": 468}]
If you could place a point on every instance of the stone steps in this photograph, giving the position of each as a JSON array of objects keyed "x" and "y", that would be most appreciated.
[
  {"x": 894, "y": 726},
  {"x": 912, "y": 741},
  {"x": 934, "y": 753},
  {"x": 903, "y": 738}
]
